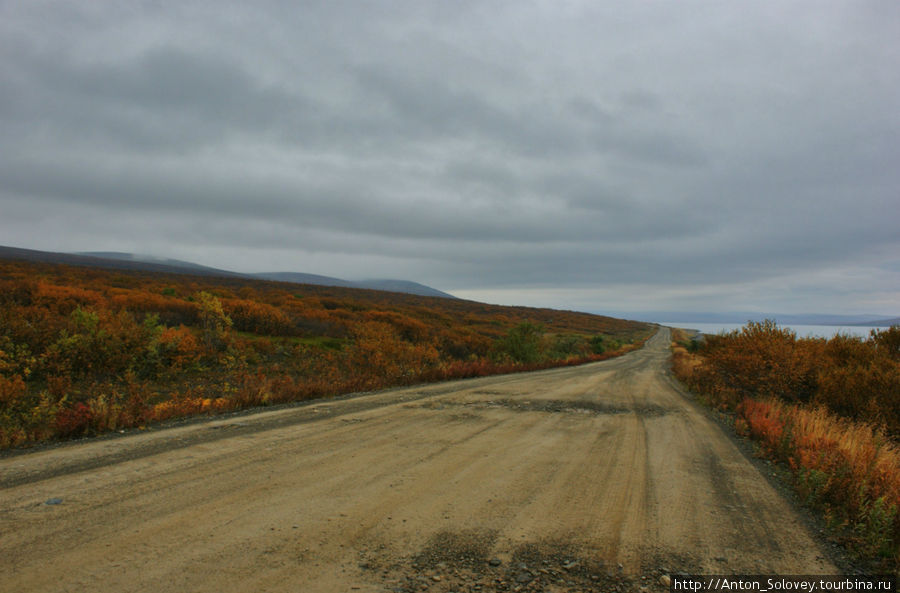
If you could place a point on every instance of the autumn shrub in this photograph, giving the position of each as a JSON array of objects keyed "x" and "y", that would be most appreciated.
[
  {"x": 683, "y": 364},
  {"x": 856, "y": 378},
  {"x": 17, "y": 293},
  {"x": 861, "y": 379},
  {"x": 381, "y": 357},
  {"x": 409, "y": 329},
  {"x": 600, "y": 344},
  {"x": 12, "y": 390},
  {"x": 13, "y": 394},
  {"x": 850, "y": 470},
  {"x": 25, "y": 332},
  {"x": 74, "y": 421},
  {"x": 463, "y": 345},
  {"x": 887, "y": 341},
  {"x": 27, "y": 419},
  {"x": 523, "y": 343},
  {"x": 98, "y": 344},
  {"x": 564, "y": 346},
  {"x": 214, "y": 323},
  {"x": 176, "y": 348},
  {"x": 83, "y": 351},
  {"x": 63, "y": 300},
  {"x": 763, "y": 360},
  {"x": 826, "y": 409},
  {"x": 258, "y": 318},
  {"x": 168, "y": 309}
]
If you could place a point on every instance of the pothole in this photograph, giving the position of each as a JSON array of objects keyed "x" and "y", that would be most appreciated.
[
  {"x": 554, "y": 406},
  {"x": 468, "y": 561}
]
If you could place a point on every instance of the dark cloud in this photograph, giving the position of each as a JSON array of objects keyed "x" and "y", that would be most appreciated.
[{"x": 698, "y": 155}]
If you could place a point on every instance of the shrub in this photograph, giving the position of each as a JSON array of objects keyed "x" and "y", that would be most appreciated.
[
  {"x": 214, "y": 323},
  {"x": 86, "y": 350},
  {"x": 764, "y": 360},
  {"x": 258, "y": 318},
  {"x": 523, "y": 343},
  {"x": 824, "y": 408},
  {"x": 379, "y": 357},
  {"x": 851, "y": 470},
  {"x": 888, "y": 341},
  {"x": 74, "y": 421}
]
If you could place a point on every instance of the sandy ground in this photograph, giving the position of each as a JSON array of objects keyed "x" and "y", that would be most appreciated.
[{"x": 577, "y": 479}]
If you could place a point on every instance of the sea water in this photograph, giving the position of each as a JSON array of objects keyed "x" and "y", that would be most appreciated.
[{"x": 802, "y": 331}]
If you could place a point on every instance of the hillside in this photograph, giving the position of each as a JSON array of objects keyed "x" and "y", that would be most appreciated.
[
  {"x": 84, "y": 350},
  {"x": 117, "y": 260}
]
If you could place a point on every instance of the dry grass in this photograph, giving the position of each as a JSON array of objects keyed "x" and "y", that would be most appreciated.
[
  {"x": 850, "y": 470},
  {"x": 845, "y": 467}
]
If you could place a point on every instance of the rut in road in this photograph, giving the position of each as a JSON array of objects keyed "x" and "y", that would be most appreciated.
[{"x": 568, "y": 479}]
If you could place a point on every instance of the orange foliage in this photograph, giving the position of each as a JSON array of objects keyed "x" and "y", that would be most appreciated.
[
  {"x": 764, "y": 360},
  {"x": 851, "y": 470},
  {"x": 853, "y": 377},
  {"x": 86, "y": 350},
  {"x": 178, "y": 347},
  {"x": 836, "y": 444},
  {"x": 11, "y": 389},
  {"x": 389, "y": 359},
  {"x": 258, "y": 318},
  {"x": 169, "y": 310},
  {"x": 65, "y": 299}
]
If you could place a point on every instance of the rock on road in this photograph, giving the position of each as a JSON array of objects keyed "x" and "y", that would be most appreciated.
[{"x": 573, "y": 479}]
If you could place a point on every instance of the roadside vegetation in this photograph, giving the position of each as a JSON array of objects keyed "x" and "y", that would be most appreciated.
[
  {"x": 828, "y": 410},
  {"x": 85, "y": 351}
]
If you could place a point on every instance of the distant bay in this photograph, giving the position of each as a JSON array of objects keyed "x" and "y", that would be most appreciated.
[{"x": 802, "y": 331}]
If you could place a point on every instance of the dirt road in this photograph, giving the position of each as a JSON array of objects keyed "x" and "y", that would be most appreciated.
[{"x": 573, "y": 479}]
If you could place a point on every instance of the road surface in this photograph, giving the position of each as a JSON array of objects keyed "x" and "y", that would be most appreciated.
[{"x": 574, "y": 479}]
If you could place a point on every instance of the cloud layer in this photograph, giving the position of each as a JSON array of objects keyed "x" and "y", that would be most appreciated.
[{"x": 693, "y": 155}]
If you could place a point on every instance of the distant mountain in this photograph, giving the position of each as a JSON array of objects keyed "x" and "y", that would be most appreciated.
[
  {"x": 115, "y": 263},
  {"x": 402, "y": 286},
  {"x": 386, "y": 285},
  {"x": 129, "y": 261},
  {"x": 301, "y": 278},
  {"x": 784, "y": 319},
  {"x": 159, "y": 261},
  {"x": 881, "y": 322}
]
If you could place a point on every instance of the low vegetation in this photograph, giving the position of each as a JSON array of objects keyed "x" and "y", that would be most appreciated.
[
  {"x": 829, "y": 410},
  {"x": 85, "y": 351}
]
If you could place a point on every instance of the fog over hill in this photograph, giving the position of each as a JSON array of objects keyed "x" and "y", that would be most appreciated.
[{"x": 132, "y": 261}]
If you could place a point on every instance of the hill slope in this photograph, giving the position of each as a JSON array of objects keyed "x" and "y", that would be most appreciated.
[
  {"x": 86, "y": 349},
  {"x": 118, "y": 260}
]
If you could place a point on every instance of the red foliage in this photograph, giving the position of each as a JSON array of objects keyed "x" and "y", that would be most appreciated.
[
  {"x": 853, "y": 377},
  {"x": 258, "y": 318},
  {"x": 850, "y": 469},
  {"x": 75, "y": 421},
  {"x": 87, "y": 350},
  {"x": 836, "y": 445},
  {"x": 12, "y": 389}
]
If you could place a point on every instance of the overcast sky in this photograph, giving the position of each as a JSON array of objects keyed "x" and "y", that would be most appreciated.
[{"x": 602, "y": 156}]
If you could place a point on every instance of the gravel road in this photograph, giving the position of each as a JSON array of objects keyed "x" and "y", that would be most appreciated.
[{"x": 593, "y": 478}]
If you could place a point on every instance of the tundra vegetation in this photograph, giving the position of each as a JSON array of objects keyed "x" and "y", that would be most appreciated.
[
  {"x": 85, "y": 351},
  {"x": 828, "y": 410}
]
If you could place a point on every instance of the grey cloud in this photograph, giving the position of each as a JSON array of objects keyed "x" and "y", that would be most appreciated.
[
  {"x": 689, "y": 150},
  {"x": 165, "y": 99},
  {"x": 425, "y": 108},
  {"x": 641, "y": 100}
]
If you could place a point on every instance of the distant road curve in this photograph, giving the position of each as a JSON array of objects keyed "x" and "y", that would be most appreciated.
[{"x": 568, "y": 479}]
